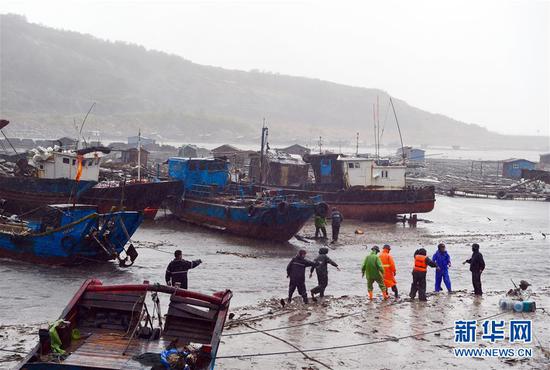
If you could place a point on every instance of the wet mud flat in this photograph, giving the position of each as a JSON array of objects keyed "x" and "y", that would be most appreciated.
[
  {"x": 509, "y": 232},
  {"x": 350, "y": 332}
]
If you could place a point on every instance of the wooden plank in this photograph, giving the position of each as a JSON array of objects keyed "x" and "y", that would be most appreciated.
[
  {"x": 122, "y": 306},
  {"x": 201, "y": 325},
  {"x": 184, "y": 316},
  {"x": 194, "y": 302},
  {"x": 113, "y": 297},
  {"x": 211, "y": 314},
  {"x": 187, "y": 337}
]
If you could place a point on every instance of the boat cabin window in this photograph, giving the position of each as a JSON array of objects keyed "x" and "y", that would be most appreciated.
[
  {"x": 74, "y": 162},
  {"x": 357, "y": 165},
  {"x": 384, "y": 174},
  {"x": 66, "y": 160},
  {"x": 354, "y": 165},
  {"x": 350, "y": 165}
]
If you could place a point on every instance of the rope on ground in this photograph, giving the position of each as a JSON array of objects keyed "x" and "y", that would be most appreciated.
[
  {"x": 153, "y": 248},
  {"x": 295, "y": 326},
  {"x": 246, "y": 319},
  {"x": 13, "y": 351},
  {"x": 290, "y": 344},
  {"x": 393, "y": 339}
]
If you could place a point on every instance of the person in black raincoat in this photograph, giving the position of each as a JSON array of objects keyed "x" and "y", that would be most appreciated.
[
  {"x": 336, "y": 218},
  {"x": 321, "y": 269},
  {"x": 477, "y": 265},
  {"x": 176, "y": 272},
  {"x": 296, "y": 272}
]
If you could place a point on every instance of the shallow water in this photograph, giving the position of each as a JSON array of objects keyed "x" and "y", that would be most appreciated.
[{"x": 509, "y": 232}]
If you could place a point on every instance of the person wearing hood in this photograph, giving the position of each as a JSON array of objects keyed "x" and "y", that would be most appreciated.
[
  {"x": 443, "y": 261},
  {"x": 373, "y": 270},
  {"x": 336, "y": 220},
  {"x": 296, "y": 272},
  {"x": 322, "y": 261},
  {"x": 176, "y": 272},
  {"x": 389, "y": 269},
  {"x": 477, "y": 265},
  {"x": 421, "y": 263}
]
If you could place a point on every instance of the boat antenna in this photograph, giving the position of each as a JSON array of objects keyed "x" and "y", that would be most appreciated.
[
  {"x": 320, "y": 145},
  {"x": 83, "y": 122},
  {"x": 4, "y": 123},
  {"x": 398, "y": 129},
  {"x": 357, "y": 145}
]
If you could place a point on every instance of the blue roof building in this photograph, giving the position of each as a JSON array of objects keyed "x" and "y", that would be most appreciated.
[{"x": 511, "y": 168}]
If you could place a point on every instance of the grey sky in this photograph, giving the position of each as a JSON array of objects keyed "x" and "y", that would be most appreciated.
[{"x": 482, "y": 62}]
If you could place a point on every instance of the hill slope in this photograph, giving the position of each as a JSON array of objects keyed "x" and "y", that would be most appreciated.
[{"x": 50, "y": 77}]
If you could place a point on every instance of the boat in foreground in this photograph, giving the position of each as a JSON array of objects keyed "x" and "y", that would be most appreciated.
[
  {"x": 122, "y": 327},
  {"x": 68, "y": 234},
  {"x": 208, "y": 200}
]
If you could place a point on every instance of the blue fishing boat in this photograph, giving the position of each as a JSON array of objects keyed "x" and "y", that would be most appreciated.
[
  {"x": 210, "y": 200},
  {"x": 70, "y": 234}
]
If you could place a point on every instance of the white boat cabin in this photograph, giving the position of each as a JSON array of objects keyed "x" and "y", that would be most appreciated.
[
  {"x": 64, "y": 164},
  {"x": 366, "y": 172}
]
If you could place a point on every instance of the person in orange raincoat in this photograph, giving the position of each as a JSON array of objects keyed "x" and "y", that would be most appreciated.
[{"x": 389, "y": 269}]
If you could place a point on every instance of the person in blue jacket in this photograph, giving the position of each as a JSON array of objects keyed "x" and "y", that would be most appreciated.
[{"x": 443, "y": 261}]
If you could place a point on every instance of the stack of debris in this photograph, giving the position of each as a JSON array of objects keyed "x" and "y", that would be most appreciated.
[{"x": 457, "y": 177}]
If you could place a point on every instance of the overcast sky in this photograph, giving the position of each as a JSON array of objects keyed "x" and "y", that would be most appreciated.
[{"x": 482, "y": 62}]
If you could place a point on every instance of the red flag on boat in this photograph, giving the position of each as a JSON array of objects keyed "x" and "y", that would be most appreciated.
[{"x": 79, "y": 159}]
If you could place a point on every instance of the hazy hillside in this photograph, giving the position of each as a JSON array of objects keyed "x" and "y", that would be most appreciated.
[{"x": 50, "y": 77}]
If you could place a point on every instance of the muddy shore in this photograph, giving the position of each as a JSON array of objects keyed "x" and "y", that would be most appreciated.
[{"x": 510, "y": 234}]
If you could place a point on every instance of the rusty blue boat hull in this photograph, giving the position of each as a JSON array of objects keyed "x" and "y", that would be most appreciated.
[
  {"x": 269, "y": 222},
  {"x": 69, "y": 235}
]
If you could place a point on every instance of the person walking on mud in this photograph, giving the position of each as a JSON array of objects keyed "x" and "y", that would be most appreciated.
[
  {"x": 322, "y": 261},
  {"x": 176, "y": 272},
  {"x": 389, "y": 269},
  {"x": 477, "y": 265},
  {"x": 443, "y": 261},
  {"x": 372, "y": 269},
  {"x": 336, "y": 220},
  {"x": 421, "y": 263},
  {"x": 320, "y": 225},
  {"x": 296, "y": 272}
]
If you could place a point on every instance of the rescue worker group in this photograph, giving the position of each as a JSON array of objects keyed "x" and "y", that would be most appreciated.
[{"x": 378, "y": 267}]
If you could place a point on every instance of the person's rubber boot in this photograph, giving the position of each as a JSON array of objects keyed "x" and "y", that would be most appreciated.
[
  {"x": 283, "y": 303},
  {"x": 370, "y": 295},
  {"x": 313, "y": 297},
  {"x": 306, "y": 301},
  {"x": 385, "y": 294}
]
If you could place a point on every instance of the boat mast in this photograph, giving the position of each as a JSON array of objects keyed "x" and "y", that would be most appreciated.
[
  {"x": 139, "y": 155},
  {"x": 398, "y": 129},
  {"x": 378, "y": 126},
  {"x": 374, "y": 130},
  {"x": 264, "y": 140},
  {"x": 357, "y": 145}
]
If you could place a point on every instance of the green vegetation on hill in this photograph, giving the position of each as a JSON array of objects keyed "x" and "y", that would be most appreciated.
[{"x": 50, "y": 77}]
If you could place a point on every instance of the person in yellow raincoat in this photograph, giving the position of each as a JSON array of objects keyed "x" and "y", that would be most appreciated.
[{"x": 389, "y": 269}]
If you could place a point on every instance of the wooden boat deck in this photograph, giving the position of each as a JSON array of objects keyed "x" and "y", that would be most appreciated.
[{"x": 103, "y": 350}]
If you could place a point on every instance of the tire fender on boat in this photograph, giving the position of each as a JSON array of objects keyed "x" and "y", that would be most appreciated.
[{"x": 251, "y": 210}]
